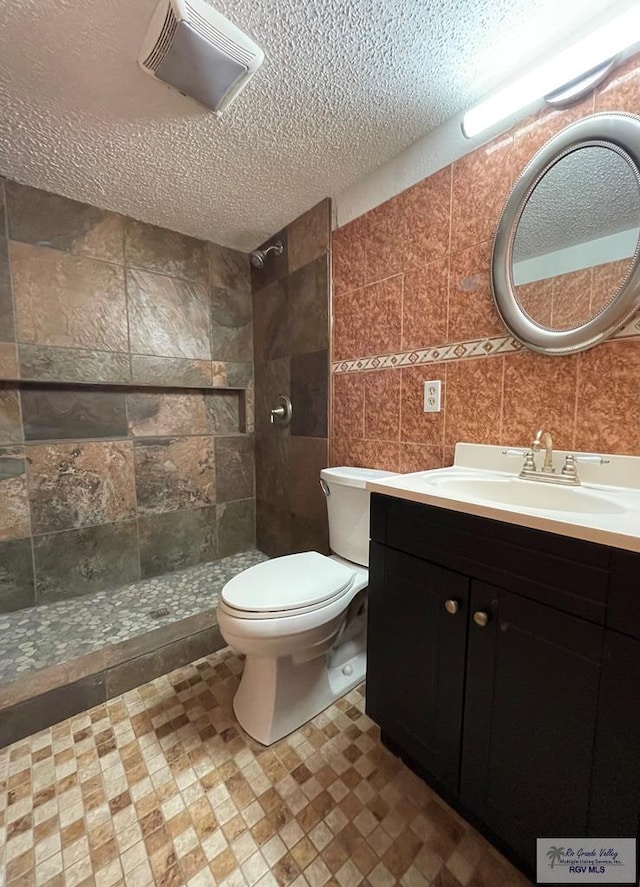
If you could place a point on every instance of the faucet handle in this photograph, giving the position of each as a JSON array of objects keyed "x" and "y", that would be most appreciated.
[
  {"x": 512, "y": 453},
  {"x": 589, "y": 457},
  {"x": 569, "y": 469},
  {"x": 529, "y": 462}
]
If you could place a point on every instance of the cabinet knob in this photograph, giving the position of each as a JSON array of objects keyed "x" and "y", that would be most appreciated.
[
  {"x": 451, "y": 607},
  {"x": 481, "y": 618}
]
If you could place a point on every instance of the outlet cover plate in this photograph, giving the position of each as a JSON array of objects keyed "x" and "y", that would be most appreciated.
[{"x": 432, "y": 396}]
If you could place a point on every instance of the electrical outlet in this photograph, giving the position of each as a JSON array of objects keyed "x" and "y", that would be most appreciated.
[{"x": 432, "y": 396}]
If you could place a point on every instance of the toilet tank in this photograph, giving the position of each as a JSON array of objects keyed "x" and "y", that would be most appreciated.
[{"x": 348, "y": 509}]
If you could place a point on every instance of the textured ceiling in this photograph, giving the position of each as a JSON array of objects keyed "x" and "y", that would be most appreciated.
[
  {"x": 346, "y": 85},
  {"x": 589, "y": 194}
]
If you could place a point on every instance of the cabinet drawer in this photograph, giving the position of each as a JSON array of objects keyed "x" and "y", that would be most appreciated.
[{"x": 568, "y": 574}]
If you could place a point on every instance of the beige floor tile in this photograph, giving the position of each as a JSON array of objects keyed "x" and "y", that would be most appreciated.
[
  {"x": 161, "y": 787},
  {"x": 47, "y": 847},
  {"x": 49, "y": 868},
  {"x": 254, "y": 868},
  {"x": 317, "y": 874},
  {"x": 273, "y": 850},
  {"x": 244, "y": 847},
  {"x": 109, "y": 875}
]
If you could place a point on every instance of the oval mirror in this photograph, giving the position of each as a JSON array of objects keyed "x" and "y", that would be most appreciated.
[{"x": 565, "y": 262}]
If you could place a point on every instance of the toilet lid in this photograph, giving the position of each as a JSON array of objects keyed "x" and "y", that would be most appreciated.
[{"x": 287, "y": 583}]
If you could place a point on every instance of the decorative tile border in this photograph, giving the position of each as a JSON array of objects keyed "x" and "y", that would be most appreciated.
[
  {"x": 485, "y": 347},
  {"x": 456, "y": 351},
  {"x": 630, "y": 329}
]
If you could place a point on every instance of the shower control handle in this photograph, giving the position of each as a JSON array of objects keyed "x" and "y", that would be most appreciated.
[{"x": 281, "y": 411}]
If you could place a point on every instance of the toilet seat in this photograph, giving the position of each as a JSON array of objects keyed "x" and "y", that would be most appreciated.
[{"x": 287, "y": 586}]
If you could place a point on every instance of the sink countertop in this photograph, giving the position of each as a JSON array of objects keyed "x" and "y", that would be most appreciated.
[{"x": 616, "y": 483}]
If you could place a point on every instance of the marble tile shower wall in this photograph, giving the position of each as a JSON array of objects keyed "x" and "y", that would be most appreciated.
[
  {"x": 126, "y": 410},
  {"x": 291, "y": 343},
  {"x": 412, "y": 276}
]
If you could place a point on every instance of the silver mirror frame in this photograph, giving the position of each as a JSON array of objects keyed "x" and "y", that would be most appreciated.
[{"x": 619, "y": 132}]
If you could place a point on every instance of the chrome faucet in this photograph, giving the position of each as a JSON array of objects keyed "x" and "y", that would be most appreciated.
[
  {"x": 569, "y": 474},
  {"x": 543, "y": 439}
]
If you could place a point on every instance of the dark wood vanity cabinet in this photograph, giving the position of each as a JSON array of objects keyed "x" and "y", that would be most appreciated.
[
  {"x": 417, "y": 685},
  {"x": 615, "y": 784},
  {"x": 497, "y": 671},
  {"x": 532, "y": 688}
]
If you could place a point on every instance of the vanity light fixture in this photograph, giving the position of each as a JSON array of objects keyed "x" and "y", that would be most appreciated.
[{"x": 590, "y": 59}]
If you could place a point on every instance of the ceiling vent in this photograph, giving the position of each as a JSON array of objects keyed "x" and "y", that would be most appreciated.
[{"x": 196, "y": 50}]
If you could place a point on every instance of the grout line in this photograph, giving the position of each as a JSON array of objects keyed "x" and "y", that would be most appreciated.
[
  {"x": 575, "y": 402},
  {"x": 443, "y": 407},
  {"x": 400, "y": 436},
  {"x": 501, "y": 426},
  {"x": 28, "y": 493},
  {"x": 146, "y": 439},
  {"x": 363, "y": 428},
  {"x": 129, "y": 520},
  {"x": 122, "y": 265},
  {"x": 365, "y": 385},
  {"x": 453, "y": 171},
  {"x": 19, "y": 394},
  {"x": 366, "y": 218},
  {"x": 126, "y": 302},
  {"x": 122, "y": 387},
  {"x": 448, "y": 305},
  {"x": 120, "y": 351},
  {"x": 14, "y": 306},
  {"x": 402, "y": 295},
  {"x": 209, "y": 287},
  {"x": 135, "y": 493}
]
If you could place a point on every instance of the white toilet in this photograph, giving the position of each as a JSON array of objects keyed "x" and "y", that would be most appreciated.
[{"x": 301, "y": 619}]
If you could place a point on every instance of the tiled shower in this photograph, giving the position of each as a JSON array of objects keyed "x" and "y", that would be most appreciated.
[
  {"x": 291, "y": 339},
  {"x": 125, "y": 429},
  {"x": 127, "y": 444}
]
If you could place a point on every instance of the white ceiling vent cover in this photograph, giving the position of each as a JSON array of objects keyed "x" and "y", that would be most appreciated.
[{"x": 196, "y": 50}]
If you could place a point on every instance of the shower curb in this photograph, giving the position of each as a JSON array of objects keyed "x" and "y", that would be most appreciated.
[{"x": 41, "y": 699}]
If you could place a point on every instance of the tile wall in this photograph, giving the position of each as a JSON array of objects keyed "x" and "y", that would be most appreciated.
[
  {"x": 126, "y": 410},
  {"x": 412, "y": 302},
  {"x": 291, "y": 343},
  {"x": 567, "y": 299}
]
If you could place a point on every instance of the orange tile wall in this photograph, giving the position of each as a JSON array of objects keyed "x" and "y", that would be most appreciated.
[{"x": 414, "y": 273}]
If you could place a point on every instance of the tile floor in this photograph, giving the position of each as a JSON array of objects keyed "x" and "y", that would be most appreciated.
[
  {"x": 160, "y": 786},
  {"x": 53, "y": 633}
]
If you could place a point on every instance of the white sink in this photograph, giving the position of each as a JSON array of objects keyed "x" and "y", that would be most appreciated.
[
  {"x": 525, "y": 493},
  {"x": 484, "y": 481}
]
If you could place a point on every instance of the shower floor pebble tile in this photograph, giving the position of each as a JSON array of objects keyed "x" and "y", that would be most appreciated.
[
  {"x": 54, "y": 633},
  {"x": 161, "y": 787}
]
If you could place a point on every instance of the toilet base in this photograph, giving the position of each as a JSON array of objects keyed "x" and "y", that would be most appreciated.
[{"x": 277, "y": 695}]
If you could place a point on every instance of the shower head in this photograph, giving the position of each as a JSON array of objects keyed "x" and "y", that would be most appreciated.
[{"x": 259, "y": 255}]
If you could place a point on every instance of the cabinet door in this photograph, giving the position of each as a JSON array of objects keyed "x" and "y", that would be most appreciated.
[
  {"x": 530, "y": 716},
  {"x": 416, "y": 655},
  {"x": 615, "y": 798}
]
